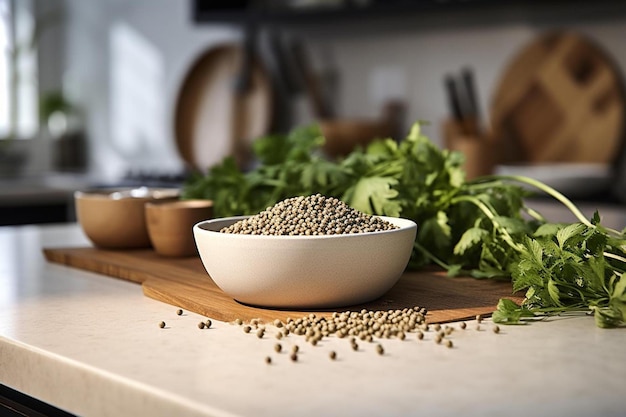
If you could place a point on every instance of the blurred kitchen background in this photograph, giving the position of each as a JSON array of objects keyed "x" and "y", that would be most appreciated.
[{"x": 97, "y": 93}]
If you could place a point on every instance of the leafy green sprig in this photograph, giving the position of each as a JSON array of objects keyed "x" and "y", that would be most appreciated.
[{"x": 480, "y": 228}]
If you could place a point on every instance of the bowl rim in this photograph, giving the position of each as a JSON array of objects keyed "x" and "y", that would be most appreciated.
[
  {"x": 126, "y": 193},
  {"x": 198, "y": 227}
]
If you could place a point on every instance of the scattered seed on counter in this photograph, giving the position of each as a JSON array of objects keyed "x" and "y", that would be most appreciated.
[
  {"x": 260, "y": 333},
  {"x": 477, "y": 326},
  {"x": 449, "y": 343},
  {"x": 448, "y": 330},
  {"x": 278, "y": 347},
  {"x": 162, "y": 324},
  {"x": 201, "y": 325},
  {"x": 437, "y": 327},
  {"x": 333, "y": 355},
  {"x": 247, "y": 329},
  {"x": 380, "y": 350},
  {"x": 438, "y": 338},
  {"x": 279, "y": 335},
  {"x": 294, "y": 357},
  {"x": 295, "y": 349},
  {"x": 479, "y": 318},
  {"x": 179, "y": 312},
  {"x": 278, "y": 323},
  {"x": 208, "y": 323},
  {"x": 268, "y": 360},
  {"x": 312, "y": 215},
  {"x": 462, "y": 325},
  {"x": 496, "y": 328},
  {"x": 238, "y": 322},
  {"x": 420, "y": 335}
]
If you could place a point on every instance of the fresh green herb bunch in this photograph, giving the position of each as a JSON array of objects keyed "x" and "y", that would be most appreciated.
[{"x": 480, "y": 227}]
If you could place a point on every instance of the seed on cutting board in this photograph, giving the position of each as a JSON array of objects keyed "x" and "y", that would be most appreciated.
[
  {"x": 238, "y": 322},
  {"x": 496, "y": 329},
  {"x": 208, "y": 323},
  {"x": 278, "y": 347},
  {"x": 179, "y": 312},
  {"x": 201, "y": 325},
  {"x": 162, "y": 324}
]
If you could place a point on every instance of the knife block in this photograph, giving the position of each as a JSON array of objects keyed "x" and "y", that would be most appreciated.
[{"x": 464, "y": 137}]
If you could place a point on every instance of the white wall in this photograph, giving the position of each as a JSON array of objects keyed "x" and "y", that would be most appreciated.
[
  {"x": 421, "y": 56},
  {"x": 166, "y": 25}
]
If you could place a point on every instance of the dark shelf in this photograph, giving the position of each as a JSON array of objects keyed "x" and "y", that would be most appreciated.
[{"x": 273, "y": 12}]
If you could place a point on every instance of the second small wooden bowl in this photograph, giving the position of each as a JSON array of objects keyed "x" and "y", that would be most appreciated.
[{"x": 170, "y": 225}]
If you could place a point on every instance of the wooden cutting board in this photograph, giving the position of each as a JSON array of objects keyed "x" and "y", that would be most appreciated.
[
  {"x": 560, "y": 99},
  {"x": 184, "y": 283}
]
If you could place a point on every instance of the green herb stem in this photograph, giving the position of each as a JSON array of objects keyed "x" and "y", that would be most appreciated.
[{"x": 487, "y": 211}]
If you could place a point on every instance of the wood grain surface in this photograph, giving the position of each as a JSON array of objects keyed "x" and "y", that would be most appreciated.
[
  {"x": 561, "y": 99},
  {"x": 183, "y": 282}
]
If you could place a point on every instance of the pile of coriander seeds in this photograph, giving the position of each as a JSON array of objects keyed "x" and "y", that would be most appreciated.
[{"x": 310, "y": 216}]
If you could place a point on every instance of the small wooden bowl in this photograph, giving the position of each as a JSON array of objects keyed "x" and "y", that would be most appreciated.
[
  {"x": 114, "y": 218},
  {"x": 343, "y": 135},
  {"x": 170, "y": 225}
]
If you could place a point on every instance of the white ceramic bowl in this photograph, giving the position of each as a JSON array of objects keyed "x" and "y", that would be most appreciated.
[{"x": 304, "y": 271}]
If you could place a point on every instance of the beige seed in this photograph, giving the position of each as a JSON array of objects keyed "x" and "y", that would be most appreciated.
[
  {"x": 201, "y": 325},
  {"x": 179, "y": 312},
  {"x": 449, "y": 343},
  {"x": 479, "y": 318},
  {"x": 462, "y": 325},
  {"x": 332, "y": 355},
  {"x": 278, "y": 347},
  {"x": 247, "y": 329},
  {"x": 294, "y": 357},
  {"x": 260, "y": 333},
  {"x": 380, "y": 350},
  {"x": 208, "y": 323},
  {"x": 162, "y": 324},
  {"x": 268, "y": 360},
  {"x": 496, "y": 329}
]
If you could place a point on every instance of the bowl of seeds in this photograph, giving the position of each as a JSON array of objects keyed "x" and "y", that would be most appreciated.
[{"x": 305, "y": 252}]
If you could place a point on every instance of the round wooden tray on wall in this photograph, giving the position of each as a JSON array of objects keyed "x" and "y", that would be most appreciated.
[
  {"x": 211, "y": 116},
  {"x": 561, "y": 99}
]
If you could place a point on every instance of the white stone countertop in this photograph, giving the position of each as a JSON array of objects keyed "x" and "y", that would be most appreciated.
[{"x": 91, "y": 345}]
